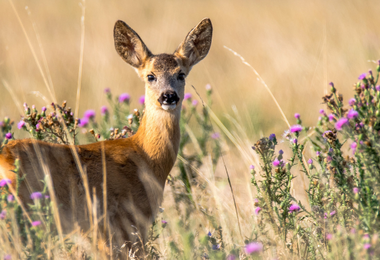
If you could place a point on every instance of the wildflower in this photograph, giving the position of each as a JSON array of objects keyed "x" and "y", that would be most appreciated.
[
  {"x": 164, "y": 222},
  {"x": 8, "y": 136},
  {"x": 215, "y": 247},
  {"x": 294, "y": 207},
  {"x": 353, "y": 147},
  {"x": 124, "y": 97},
  {"x": 3, "y": 214},
  {"x": 231, "y": 257},
  {"x": 355, "y": 190},
  {"x": 272, "y": 137},
  {"x": 83, "y": 122},
  {"x": 318, "y": 153},
  {"x": 329, "y": 236},
  {"x": 331, "y": 117},
  {"x": 367, "y": 246},
  {"x": 209, "y": 233},
  {"x": 310, "y": 161},
  {"x": 322, "y": 112},
  {"x": 378, "y": 88},
  {"x": 295, "y": 141},
  {"x": 281, "y": 152},
  {"x": 104, "y": 110},
  {"x": 195, "y": 102},
  {"x": 4, "y": 182},
  {"x": 332, "y": 213},
  {"x": 208, "y": 87},
  {"x": 295, "y": 128},
  {"x": 21, "y": 124},
  {"x": 215, "y": 135},
  {"x": 341, "y": 122},
  {"x": 43, "y": 109},
  {"x": 10, "y": 198},
  {"x": 329, "y": 159},
  {"x": 89, "y": 114},
  {"x": 7, "y": 257},
  {"x": 36, "y": 195},
  {"x": 107, "y": 90},
  {"x": 352, "y": 101},
  {"x": 297, "y": 116},
  {"x": 142, "y": 100},
  {"x": 352, "y": 114},
  {"x": 257, "y": 210},
  {"x": 187, "y": 96},
  {"x": 253, "y": 247},
  {"x": 362, "y": 76},
  {"x": 47, "y": 196},
  {"x": 252, "y": 167},
  {"x": 256, "y": 202},
  {"x": 36, "y": 223},
  {"x": 353, "y": 231},
  {"x": 276, "y": 162}
]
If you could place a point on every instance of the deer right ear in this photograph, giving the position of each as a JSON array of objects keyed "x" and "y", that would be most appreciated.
[{"x": 129, "y": 45}]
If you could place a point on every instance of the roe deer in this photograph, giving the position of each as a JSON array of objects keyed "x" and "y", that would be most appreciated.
[{"x": 136, "y": 167}]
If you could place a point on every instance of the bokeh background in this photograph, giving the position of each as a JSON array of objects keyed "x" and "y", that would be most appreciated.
[{"x": 297, "y": 47}]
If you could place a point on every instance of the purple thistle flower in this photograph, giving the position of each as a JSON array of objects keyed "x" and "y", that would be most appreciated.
[
  {"x": 353, "y": 231},
  {"x": 297, "y": 116},
  {"x": 252, "y": 167},
  {"x": 281, "y": 152},
  {"x": 1, "y": 123},
  {"x": 21, "y": 124},
  {"x": 272, "y": 137},
  {"x": 294, "y": 207},
  {"x": 367, "y": 246},
  {"x": 195, "y": 102},
  {"x": 10, "y": 198},
  {"x": 352, "y": 101},
  {"x": 362, "y": 76},
  {"x": 47, "y": 196},
  {"x": 341, "y": 122},
  {"x": 332, "y": 213},
  {"x": 329, "y": 159},
  {"x": 36, "y": 223},
  {"x": 322, "y": 112},
  {"x": 215, "y": 247},
  {"x": 3, "y": 214},
  {"x": 43, "y": 109},
  {"x": 36, "y": 195},
  {"x": 83, "y": 122},
  {"x": 107, "y": 90},
  {"x": 8, "y": 136},
  {"x": 310, "y": 161},
  {"x": 257, "y": 210},
  {"x": 231, "y": 257},
  {"x": 378, "y": 88},
  {"x": 318, "y": 153},
  {"x": 89, "y": 114},
  {"x": 355, "y": 190},
  {"x": 353, "y": 147},
  {"x": 296, "y": 128},
  {"x": 4, "y": 182},
  {"x": 125, "y": 97},
  {"x": 142, "y": 100},
  {"x": 329, "y": 236},
  {"x": 215, "y": 135},
  {"x": 352, "y": 114},
  {"x": 331, "y": 117},
  {"x": 104, "y": 110},
  {"x": 208, "y": 87},
  {"x": 276, "y": 162},
  {"x": 253, "y": 248},
  {"x": 295, "y": 141},
  {"x": 164, "y": 222},
  {"x": 187, "y": 96},
  {"x": 209, "y": 234},
  {"x": 7, "y": 257}
]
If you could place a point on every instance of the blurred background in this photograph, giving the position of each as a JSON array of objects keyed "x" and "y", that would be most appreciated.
[{"x": 297, "y": 47}]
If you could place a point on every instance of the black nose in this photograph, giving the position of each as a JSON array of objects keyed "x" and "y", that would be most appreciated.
[{"x": 168, "y": 98}]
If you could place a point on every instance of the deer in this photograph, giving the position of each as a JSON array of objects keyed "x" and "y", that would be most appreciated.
[{"x": 136, "y": 167}]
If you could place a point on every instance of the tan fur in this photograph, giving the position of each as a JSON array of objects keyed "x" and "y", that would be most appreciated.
[{"x": 136, "y": 167}]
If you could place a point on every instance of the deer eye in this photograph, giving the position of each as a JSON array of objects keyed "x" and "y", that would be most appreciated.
[
  {"x": 151, "y": 78},
  {"x": 181, "y": 76}
]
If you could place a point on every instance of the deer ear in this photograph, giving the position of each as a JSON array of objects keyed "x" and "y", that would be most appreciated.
[
  {"x": 129, "y": 45},
  {"x": 196, "y": 44}
]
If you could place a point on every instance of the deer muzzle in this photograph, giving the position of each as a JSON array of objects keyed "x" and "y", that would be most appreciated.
[{"x": 168, "y": 100}]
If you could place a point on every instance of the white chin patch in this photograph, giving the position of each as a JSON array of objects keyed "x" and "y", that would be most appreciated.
[{"x": 168, "y": 107}]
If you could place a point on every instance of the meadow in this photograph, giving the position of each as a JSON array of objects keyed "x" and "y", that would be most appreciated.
[{"x": 253, "y": 179}]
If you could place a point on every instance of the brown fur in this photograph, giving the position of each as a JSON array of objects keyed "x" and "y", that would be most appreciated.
[{"x": 136, "y": 167}]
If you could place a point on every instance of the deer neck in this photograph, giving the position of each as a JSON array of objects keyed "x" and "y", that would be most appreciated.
[{"x": 158, "y": 136}]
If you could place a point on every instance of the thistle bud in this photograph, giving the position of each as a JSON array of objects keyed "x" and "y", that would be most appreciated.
[
  {"x": 333, "y": 90},
  {"x": 136, "y": 112}
]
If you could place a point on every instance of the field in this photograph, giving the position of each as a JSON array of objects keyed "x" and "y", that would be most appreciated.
[{"x": 49, "y": 50}]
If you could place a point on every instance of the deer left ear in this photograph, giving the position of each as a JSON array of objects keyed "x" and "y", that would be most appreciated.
[{"x": 196, "y": 44}]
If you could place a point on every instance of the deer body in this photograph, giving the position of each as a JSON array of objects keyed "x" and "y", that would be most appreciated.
[{"x": 136, "y": 167}]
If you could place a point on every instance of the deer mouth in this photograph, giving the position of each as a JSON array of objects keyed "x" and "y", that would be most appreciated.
[{"x": 168, "y": 100}]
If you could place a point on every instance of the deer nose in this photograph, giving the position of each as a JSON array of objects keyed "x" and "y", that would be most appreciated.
[{"x": 168, "y": 98}]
